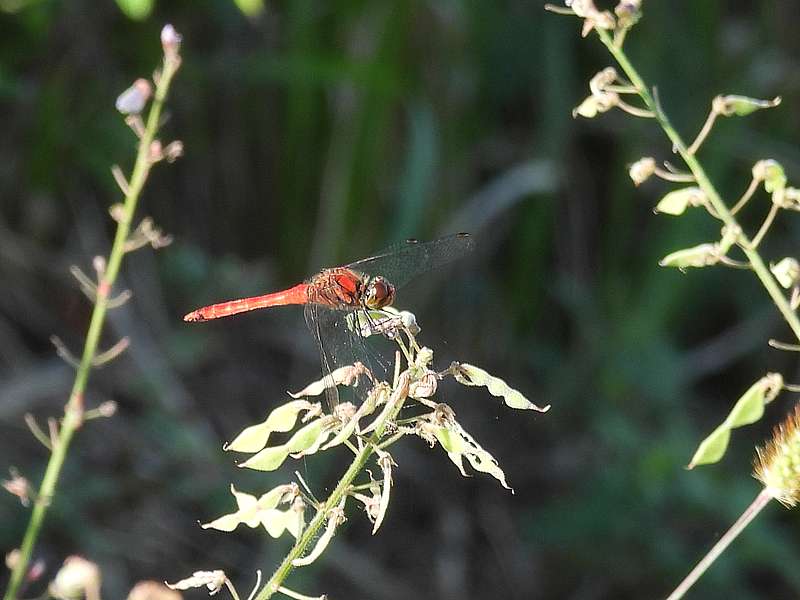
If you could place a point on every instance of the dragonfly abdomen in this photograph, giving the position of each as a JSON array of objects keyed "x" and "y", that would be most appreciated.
[{"x": 294, "y": 295}]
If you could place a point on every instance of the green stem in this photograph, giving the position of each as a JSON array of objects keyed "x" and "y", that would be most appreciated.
[
  {"x": 743, "y": 521},
  {"x": 343, "y": 487},
  {"x": 761, "y": 270},
  {"x": 74, "y": 409}
]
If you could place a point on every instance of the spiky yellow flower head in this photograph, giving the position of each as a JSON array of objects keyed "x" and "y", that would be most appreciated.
[{"x": 777, "y": 464}]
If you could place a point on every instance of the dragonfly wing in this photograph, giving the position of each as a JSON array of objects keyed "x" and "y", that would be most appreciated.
[
  {"x": 312, "y": 317},
  {"x": 402, "y": 262},
  {"x": 340, "y": 345}
]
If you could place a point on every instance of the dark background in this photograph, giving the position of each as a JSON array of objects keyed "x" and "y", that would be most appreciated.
[{"x": 320, "y": 132}]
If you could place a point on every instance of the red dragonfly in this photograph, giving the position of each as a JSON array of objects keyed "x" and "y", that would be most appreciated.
[{"x": 365, "y": 285}]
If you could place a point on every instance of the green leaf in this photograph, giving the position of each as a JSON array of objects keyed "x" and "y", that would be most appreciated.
[
  {"x": 138, "y": 10},
  {"x": 676, "y": 202},
  {"x": 774, "y": 176},
  {"x": 471, "y": 375},
  {"x": 698, "y": 256},
  {"x": 306, "y": 440},
  {"x": 251, "y": 510},
  {"x": 712, "y": 449},
  {"x": 305, "y": 437},
  {"x": 250, "y": 8},
  {"x": 748, "y": 409},
  {"x": 276, "y": 521},
  {"x": 282, "y": 419},
  {"x": 742, "y": 106},
  {"x": 450, "y": 441},
  {"x": 268, "y": 459}
]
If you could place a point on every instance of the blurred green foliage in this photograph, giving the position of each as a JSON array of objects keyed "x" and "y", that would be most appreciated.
[{"x": 318, "y": 132}]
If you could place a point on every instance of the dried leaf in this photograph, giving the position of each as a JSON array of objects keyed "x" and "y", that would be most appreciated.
[
  {"x": 335, "y": 518},
  {"x": 281, "y": 420},
  {"x": 470, "y": 375},
  {"x": 347, "y": 375},
  {"x": 306, "y": 440}
]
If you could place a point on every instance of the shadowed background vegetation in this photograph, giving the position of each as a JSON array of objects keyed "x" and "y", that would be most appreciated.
[{"x": 319, "y": 132}]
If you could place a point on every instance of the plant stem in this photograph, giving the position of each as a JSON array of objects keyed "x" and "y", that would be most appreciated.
[
  {"x": 397, "y": 399},
  {"x": 74, "y": 409},
  {"x": 748, "y": 515},
  {"x": 761, "y": 270}
]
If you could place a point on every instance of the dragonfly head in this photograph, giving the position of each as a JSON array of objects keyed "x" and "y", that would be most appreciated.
[{"x": 379, "y": 293}]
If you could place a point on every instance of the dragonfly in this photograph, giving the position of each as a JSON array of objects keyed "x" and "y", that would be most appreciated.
[{"x": 334, "y": 294}]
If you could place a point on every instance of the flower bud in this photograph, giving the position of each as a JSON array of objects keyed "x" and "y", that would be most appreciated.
[
  {"x": 133, "y": 100},
  {"x": 18, "y": 486},
  {"x": 628, "y": 13},
  {"x": 741, "y": 106},
  {"x": 602, "y": 79},
  {"x": 675, "y": 202},
  {"x": 771, "y": 173},
  {"x": 642, "y": 169},
  {"x": 596, "y": 104},
  {"x": 76, "y": 579},
  {"x": 170, "y": 41},
  {"x": 786, "y": 271},
  {"x": 424, "y": 387},
  {"x": 152, "y": 590},
  {"x": 702, "y": 255}
]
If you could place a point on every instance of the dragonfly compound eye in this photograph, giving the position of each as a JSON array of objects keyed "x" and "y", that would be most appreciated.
[{"x": 380, "y": 293}]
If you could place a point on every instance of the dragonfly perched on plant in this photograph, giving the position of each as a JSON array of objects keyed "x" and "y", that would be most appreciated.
[{"x": 335, "y": 295}]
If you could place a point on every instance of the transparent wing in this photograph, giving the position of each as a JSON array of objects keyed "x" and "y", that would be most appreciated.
[
  {"x": 341, "y": 345},
  {"x": 311, "y": 313},
  {"x": 400, "y": 263}
]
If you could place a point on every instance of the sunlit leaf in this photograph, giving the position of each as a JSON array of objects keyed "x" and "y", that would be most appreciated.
[
  {"x": 347, "y": 375},
  {"x": 250, "y": 8},
  {"x": 251, "y": 509},
  {"x": 702, "y": 255},
  {"x": 712, "y": 449},
  {"x": 471, "y": 375},
  {"x": 748, "y": 409},
  {"x": 676, "y": 201},
  {"x": 282, "y": 419},
  {"x": 459, "y": 444},
  {"x": 742, "y": 105},
  {"x": 306, "y": 440},
  {"x": 138, "y": 10}
]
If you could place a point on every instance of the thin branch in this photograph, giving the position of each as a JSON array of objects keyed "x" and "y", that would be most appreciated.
[
  {"x": 119, "y": 177},
  {"x": 37, "y": 432},
  {"x": 765, "y": 225},
  {"x": 396, "y": 401},
  {"x": 74, "y": 409},
  {"x": 748, "y": 515},
  {"x": 673, "y": 176},
  {"x": 635, "y": 111},
  {"x": 704, "y": 131},
  {"x": 757, "y": 263},
  {"x": 746, "y": 196},
  {"x": 784, "y": 346},
  {"x": 112, "y": 353}
]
